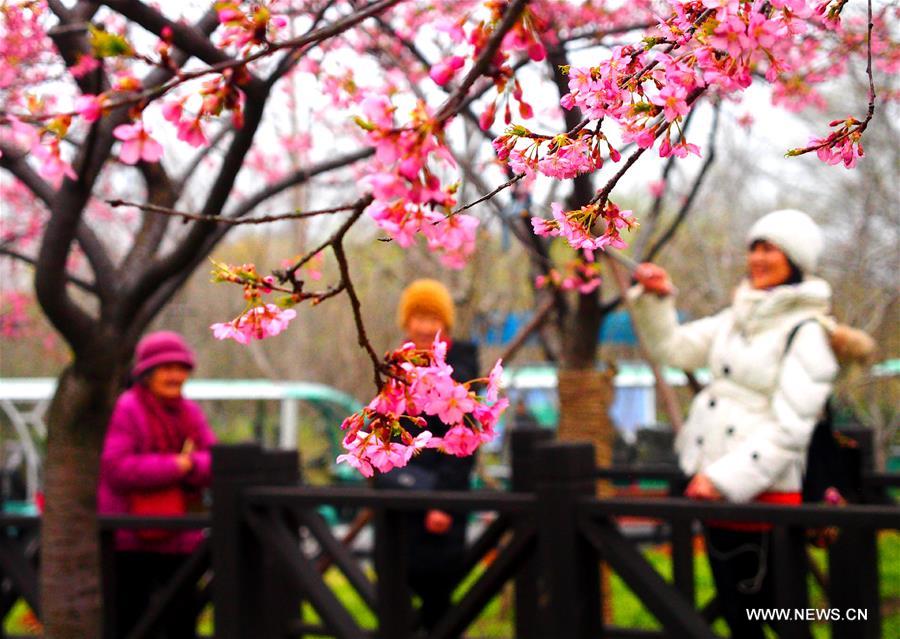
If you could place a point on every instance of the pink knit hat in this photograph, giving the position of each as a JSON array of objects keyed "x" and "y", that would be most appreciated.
[{"x": 162, "y": 347}]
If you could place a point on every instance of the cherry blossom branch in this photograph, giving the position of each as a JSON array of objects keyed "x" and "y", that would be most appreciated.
[
  {"x": 337, "y": 246},
  {"x": 483, "y": 198},
  {"x": 205, "y": 50},
  {"x": 232, "y": 221},
  {"x": 603, "y": 194},
  {"x": 188, "y": 38},
  {"x": 314, "y": 37},
  {"x": 637, "y": 75},
  {"x": 851, "y": 128},
  {"x": 453, "y": 103}
]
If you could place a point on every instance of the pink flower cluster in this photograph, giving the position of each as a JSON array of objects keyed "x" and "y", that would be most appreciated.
[
  {"x": 444, "y": 70},
  {"x": 526, "y": 37},
  {"x": 577, "y": 227},
  {"x": 261, "y": 319},
  {"x": 218, "y": 95},
  {"x": 409, "y": 197},
  {"x": 561, "y": 157},
  {"x": 581, "y": 274},
  {"x": 259, "y": 322},
  {"x": 257, "y": 27},
  {"x": 715, "y": 45},
  {"x": 843, "y": 145},
  {"x": 378, "y": 437}
]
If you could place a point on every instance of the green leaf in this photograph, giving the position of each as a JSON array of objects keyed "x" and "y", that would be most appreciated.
[{"x": 108, "y": 45}]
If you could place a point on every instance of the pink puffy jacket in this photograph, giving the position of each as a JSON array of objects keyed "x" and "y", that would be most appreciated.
[{"x": 128, "y": 464}]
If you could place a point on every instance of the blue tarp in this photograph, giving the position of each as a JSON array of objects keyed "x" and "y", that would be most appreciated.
[{"x": 616, "y": 329}]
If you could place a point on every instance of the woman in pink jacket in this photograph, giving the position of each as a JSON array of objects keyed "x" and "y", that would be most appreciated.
[{"x": 156, "y": 452}]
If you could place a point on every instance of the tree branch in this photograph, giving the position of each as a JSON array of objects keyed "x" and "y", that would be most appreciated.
[
  {"x": 72, "y": 42},
  {"x": 83, "y": 284},
  {"x": 98, "y": 258},
  {"x": 161, "y": 192},
  {"x": 13, "y": 160},
  {"x": 695, "y": 189},
  {"x": 540, "y": 316},
  {"x": 337, "y": 245},
  {"x": 296, "y": 178},
  {"x": 186, "y": 252},
  {"x": 201, "y": 155},
  {"x": 649, "y": 221},
  {"x": 290, "y": 60}
]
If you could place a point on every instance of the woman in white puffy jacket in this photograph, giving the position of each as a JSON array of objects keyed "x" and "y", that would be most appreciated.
[{"x": 747, "y": 433}]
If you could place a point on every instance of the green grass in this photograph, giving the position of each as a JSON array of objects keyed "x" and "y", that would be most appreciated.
[{"x": 496, "y": 620}]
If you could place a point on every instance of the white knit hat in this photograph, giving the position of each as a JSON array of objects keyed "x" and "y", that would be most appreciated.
[{"x": 795, "y": 233}]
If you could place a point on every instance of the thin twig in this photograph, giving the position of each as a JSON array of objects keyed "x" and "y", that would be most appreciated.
[
  {"x": 362, "y": 336},
  {"x": 231, "y": 221},
  {"x": 483, "y": 198},
  {"x": 695, "y": 189},
  {"x": 669, "y": 400}
]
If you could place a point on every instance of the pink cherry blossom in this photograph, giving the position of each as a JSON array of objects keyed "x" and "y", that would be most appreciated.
[
  {"x": 259, "y": 322},
  {"x": 53, "y": 168},
  {"x": 460, "y": 441},
  {"x": 191, "y": 131},
  {"x": 444, "y": 70},
  {"x": 137, "y": 144},
  {"x": 89, "y": 107},
  {"x": 84, "y": 65}
]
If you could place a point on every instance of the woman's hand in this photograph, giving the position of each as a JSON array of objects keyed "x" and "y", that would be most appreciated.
[
  {"x": 701, "y": 487},
  {"x": 653, "y": 278},
  {"x": 185, "y": 463},
  {"x": 437, "y": 522}
]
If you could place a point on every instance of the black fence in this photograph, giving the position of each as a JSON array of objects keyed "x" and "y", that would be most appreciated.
[{"x": 269, "y": 544}]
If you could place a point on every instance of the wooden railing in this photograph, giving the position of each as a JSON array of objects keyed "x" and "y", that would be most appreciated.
[{"x": 267, "y": 544}]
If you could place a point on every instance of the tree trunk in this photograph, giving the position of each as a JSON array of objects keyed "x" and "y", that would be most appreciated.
[
  {"x": 585, "y": 394},
  {"x": 585, "y": 397},
  {"x": 70, "y": 560}
]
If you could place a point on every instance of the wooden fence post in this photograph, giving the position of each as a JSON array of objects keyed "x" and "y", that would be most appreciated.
[
  {"x": 682, "y": 543},
  {"x": 569, "y": 564},
  {"x": 393, "y": 603},
  {"x": 249, "y": 597},
  {"x": 527, "y": 603}
]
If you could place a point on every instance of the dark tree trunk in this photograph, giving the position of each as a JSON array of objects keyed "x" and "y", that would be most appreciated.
[{"x": 76, "y": 424}]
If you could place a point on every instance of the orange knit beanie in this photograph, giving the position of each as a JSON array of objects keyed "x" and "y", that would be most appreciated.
[{"x": 427, "y": 297}]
